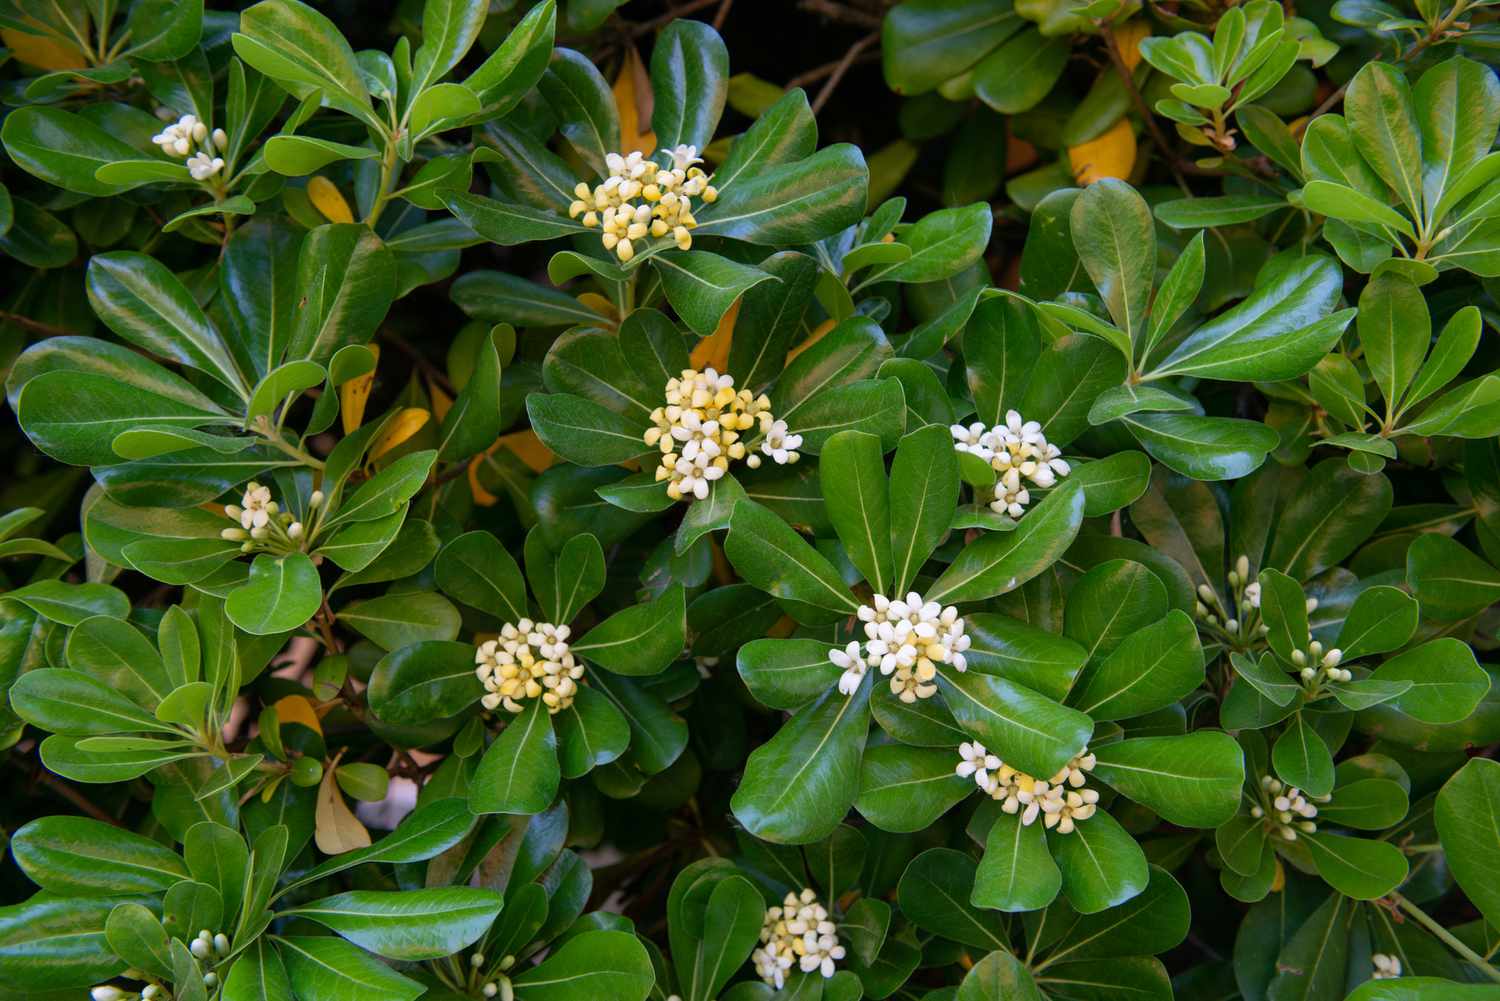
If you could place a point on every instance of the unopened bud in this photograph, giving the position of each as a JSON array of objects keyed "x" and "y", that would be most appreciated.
[
  {"x": 1299, "y": 658},
  {"x": 491, "y": 989},
  {"x": 221, "y": 943},
  {"x": 201, "y": 948},
  {"x": 477, "y": 959},
  {"x": 106, "y": 993},
  {"x": 1308, "y": 673},
  {"x": 234, "y": 534},
  {"x": 1242, "y": 567},
  {"x": 210, "y": 980},
  {"x": 1208, "y": 595},
  {"x": 221, "y": 139},
  {"x": 316, "y": 500},
  {"x": 294, "y": 530},
  {"x": 1315, "y": 648},
  {"x": 1312, "y": 605},
  {"x": 1333, "y": 657}
]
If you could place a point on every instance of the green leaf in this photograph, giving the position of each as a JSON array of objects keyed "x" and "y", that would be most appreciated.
[
  {"x": 346, "y": 282},
  {"x": 689, "y": 77},
  {"x": 1283, "y": 606},
  {"x": 449, "y": 29},
  {"x": 1101, "y": 864},
  {"x": 71, "y": 702},
  {"x": 258, "y": 974},
  {"x": 1000, "y": 976},
  {"x": 515, "y": 66},
  {"x": 393, "y": 621},
  {"x": 114, "y": 652},
  {"x": 590, "y": 732},
  {"x": 852, "y": 473},
  {"x": 1204, "y": 448},
  {"x": 1339, "y": 201},
  {"x": 1356, "y": 867},
  {"x": 282, "y": 593},
  {"x": 927, "y": 42},
  {"x": 582, "y": 431},
  {"x": 1029, "y": 732},
  {"x": 768, "y": 553},
  {"x": 330, "y": 969},
  {"x": 786, "y": 673},
  {"x": 1279, "y": 332},
  {"x": 640, "y": 640},
  {"x": 565, "y": 581},
  {"x": 302, "y": 50},
  {"x": 136, "y": 936},
  {"x": 1383, "y": 125},
  {"x": 473, "y": 422},
  {"x": 799, "y": 784},
  {"x": 429, "y": 830},
  {"x": 943, "y": 243},
  {"x": 407, "y": 925},
  {"x": 80, "y": 857},
  {"x": 1017, "y": 872},
  {"x": 298, "y": 156},
  {"x": 519, "y": 773},
  {"x": 923, "y": 494},
  {"x": 49, "y": 940},
  {"x": 1002, "y": 561},
  {"x": 1382, "y": 619},
  {"x": 476, "y": 569},
  {"x": 1116, "y": 242},
  {"x": 873, "y": 406},
  {"x": 1192, "y": 780},
  {"x": 934, "y": 894},
  {"x": 595, "y": 964},
  {"x": 1220, "y": 210},
  {"x": 792, "y": 203},
  {"x": 1466, "y": 815},
  {"x": 905, "y": 789},
  {"x": 702, "y": 286},
  {"x": 1017, "y": 75},
  {"x": 1446, "y": 681},
  {"x": 1151, "y": 668},
  {"x": 63, "y": 149},
  {"x": 1302, "y": 758},
  {"x": 1267, "y": 677}
]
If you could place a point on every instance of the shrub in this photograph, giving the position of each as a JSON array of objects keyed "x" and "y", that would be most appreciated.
[{"x": 492, "y": 515}]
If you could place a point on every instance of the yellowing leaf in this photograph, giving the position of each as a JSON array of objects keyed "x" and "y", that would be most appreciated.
[
  {"x": 337, "y": 830},
  {"x": 817, "y": 335},
  {"x": 354, "y": 394},
  {"x": 525, "y": 445},
  {"x": 297, "y": 709},
  {"x": 327, "y": 199},
  {"x": 1128, "y": 37},
  {"x": 784, "y": 627},
  {"x": 405, "y": 424},
  {"x": 1110, "y": 155},
  {"x": 42, "y": 51},
  {"x": 600, "y": 305},
  {"x": 441, "y": 401},
  {"x": 713, "y": 350},
  {"x": 633, "y": 101}
]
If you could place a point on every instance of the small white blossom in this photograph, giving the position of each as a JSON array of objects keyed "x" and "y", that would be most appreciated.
[
  {"x": 908, "y": 639},
  {"x": 700, "y": 431},
  {"x": 1019, "y": 452},
  {"x": 852, "y": 660},
  {"x": 529, "y": 660},
  {"x": 189, "y": 138},
  {"x": 799, "y": 933},
  {"x": 665, "y": 208},
  {"x": 201, "y": 166},
  {"x": 780, "y": 444},
  {"x": 1385, "y": 967},
  {"x": 256, "y": 506},
  {"x": 1062, "y": 801}
]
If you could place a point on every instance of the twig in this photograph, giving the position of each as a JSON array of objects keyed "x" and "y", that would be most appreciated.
[
  {"x": 841, "y": 69},
  {"x": 646, "y": 27},
  {"x": 842, "y": 12},
  {"x": 73, "y": 796},
  {"x": 722, "y": 14},
  {"x": 819, "y": 72},
  {"x": 430, "y": 370},
  {"x": 37, "y": 325}
]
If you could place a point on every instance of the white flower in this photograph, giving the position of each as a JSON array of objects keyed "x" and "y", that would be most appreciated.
[
  {"x": 529, "y": 660},
  {"x": 1252, "y": 594},
  {"x": 202, "y": 166},
  {"x": 190, "y": 138},
  {"x": 105, "y": 992},
  {"x": 665, "y": 208},
  {"x": 699, "y": 431},
  {"x": 1386, "y": 967},
  {"x": 1019, "y": 452},
  {"x": 781, "y": 445},
  {"x": 800, "y": 933},
  {"x": 256, "y": 506},
  {"x": 1062, "y": 802},
  {"x": 972, "y": 439},
  {"x": 853, "y": 662},
  {"x": 908, "y": 639}
]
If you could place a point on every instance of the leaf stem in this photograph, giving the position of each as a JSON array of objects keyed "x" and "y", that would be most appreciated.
[{"x": 1446, "y": 936}]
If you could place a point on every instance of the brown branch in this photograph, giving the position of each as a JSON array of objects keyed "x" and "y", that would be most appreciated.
[
  {"x": 428, "y": 369},
  {"x": 1112, "y": 48},
  {"x": 722, "y": 14},
  {"x": 819, "y": 72},
  {"x": 646, "y": 27},
  {"x": 842, "y": 68},
  {"x": 36, "y": 325},
  {"x": 73, "y": 796},
  {"x": 842, "y": 12}
]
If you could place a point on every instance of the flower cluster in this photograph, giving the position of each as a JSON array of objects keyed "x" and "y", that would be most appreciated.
[
  {"x": 1062, "y": 801},
  {"x": 190, "y": 138},
  {"x": 262, "y": 525},
  {"x": 800, "y": 932},
  {"x": 907, "y": 640},
  {"x": 1284, "y": 805},
  {"x": 700, "y": 429},
  {"x": 529, "y": 660},
  {"x": 1019, "y": 452},
  {"x": 1384, "y": 966},
  {"x": 666, "y": 194}
]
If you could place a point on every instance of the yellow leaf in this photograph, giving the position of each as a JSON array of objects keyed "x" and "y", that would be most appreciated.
[
  {"x": 1278, "y": 881},
  {"x": 600, "y": 305},
  {"x": 355, "y": 393},
  {"x": 713, "y": 350},
  {"x": 45, "y": 52},
  {"x": 405, "y": 424},
  {"x": 1128, "y": 38},
  {"x": 784, "y": 627},
  {"x": 441, "y": 401},
  {"x": 525, "y": 445},
  {"x": 297, "y": 709},
  {"x": 1110, "y": 155},
  {"x": 817, "y": 335},
  {"x": 634, "y": 103},
  {"x": 338, "y": 830},
  {"x": 327, "y": 200}
]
